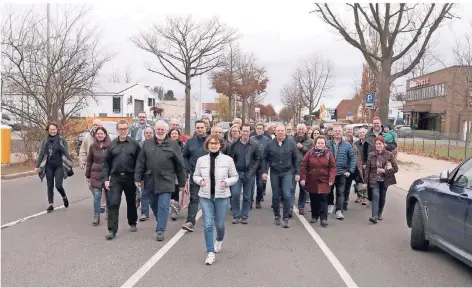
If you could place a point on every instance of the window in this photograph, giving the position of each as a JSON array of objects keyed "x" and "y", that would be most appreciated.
[
  {"x": 463, "y": 177},
  {"x": 151, "y": 102},
  {"x": 116, "y": 104}
]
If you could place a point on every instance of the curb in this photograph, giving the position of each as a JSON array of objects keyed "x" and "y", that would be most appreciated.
[{"x": 24, "y": 174}]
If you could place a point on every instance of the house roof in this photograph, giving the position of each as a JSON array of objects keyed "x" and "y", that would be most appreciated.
[
  {"x": 347, "y": 105},
  {"x": 112, "y": 88},
  {"x": 209, "y": 106}
]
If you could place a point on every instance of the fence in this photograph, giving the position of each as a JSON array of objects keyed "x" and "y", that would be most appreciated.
[{"x": 441, "y": 145}]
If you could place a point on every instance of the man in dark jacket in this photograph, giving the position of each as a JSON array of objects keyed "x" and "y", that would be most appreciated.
[
  {"x": 262, "y": 141},
  {"x": 246, "y": 156},
  {"x": 118, "y": 169},
  {"x": 193, "y": 150},
  {"x": 304, "y": 143},
  {"x": 281, "y": 156},
  {"x": 363, "y": 148},
  {"x": 158, "y": 164},
  {"x": 345, "y": 165}
]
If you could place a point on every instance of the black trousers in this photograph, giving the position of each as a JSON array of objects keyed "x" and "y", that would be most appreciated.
[
  {"x": 319, "y": 206},
  {"x": 118, "y": 184},
  {"x": 340, "y": 185},
  {"x": 347, "y": 189},
  {"x": 175, "y": 194},
  {"x": 54, "y": 174}
]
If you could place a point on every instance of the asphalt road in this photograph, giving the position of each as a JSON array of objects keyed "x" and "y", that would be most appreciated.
[{"x": 64, "y": 249}]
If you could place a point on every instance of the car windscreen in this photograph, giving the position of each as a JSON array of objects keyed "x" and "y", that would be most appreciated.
[{"x": 111, "y": 127}]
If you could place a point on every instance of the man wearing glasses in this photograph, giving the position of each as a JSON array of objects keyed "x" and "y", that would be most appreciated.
[
  {"x": 118, "y": 169},
  {"x": 137, "y": 131}
]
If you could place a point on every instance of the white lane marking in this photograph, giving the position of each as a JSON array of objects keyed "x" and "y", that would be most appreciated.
[
  {"x": 330, "y": 255},
  {"x": 29, "y": 217},
  {"x": 134, "y": 279}
]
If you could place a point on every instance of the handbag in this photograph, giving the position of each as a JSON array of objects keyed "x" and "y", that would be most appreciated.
[{"x": 184, "y": 197}]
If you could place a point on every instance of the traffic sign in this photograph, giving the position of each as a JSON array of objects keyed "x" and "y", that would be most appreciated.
[{"x": 369, "y": 99}]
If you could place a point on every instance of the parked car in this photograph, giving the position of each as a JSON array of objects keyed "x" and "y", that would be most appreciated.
[
  {"x": 404, "y": 132},
  {"x": 109, "y": 125},
  {"x": 225, "y": 126},
  {"x": 356, "y": 127},
  {"x": 439, "y": 211}
]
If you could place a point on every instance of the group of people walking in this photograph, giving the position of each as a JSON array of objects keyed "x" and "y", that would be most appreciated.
[{"x": 152, "y": 165}]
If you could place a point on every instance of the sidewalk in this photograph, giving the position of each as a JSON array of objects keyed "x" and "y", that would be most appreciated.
[{"x": 412, "y": 167}]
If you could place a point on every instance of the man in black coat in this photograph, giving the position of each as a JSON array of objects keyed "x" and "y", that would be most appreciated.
[{"x": 158, "y": 164}]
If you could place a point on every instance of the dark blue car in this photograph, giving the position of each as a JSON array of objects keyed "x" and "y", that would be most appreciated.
[{"x": 439, "y": 211}]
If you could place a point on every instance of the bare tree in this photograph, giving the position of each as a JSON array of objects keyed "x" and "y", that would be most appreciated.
[
  {"x": 115, "y": 76},
  {"x": 128, "y": 74},
  {"x": 313, "y": 78},
  {"x": 251, "y": 82},
  {"x": 185, "y": 49},
  {"x": 394, "y": 25},
  {"x": 49, "y": 78},
  {"x": 224, "y": 80},
  {"x": 291, "y": 97}
]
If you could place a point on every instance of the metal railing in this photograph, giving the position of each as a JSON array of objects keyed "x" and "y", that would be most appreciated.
[{"x": 433, "y": 143}]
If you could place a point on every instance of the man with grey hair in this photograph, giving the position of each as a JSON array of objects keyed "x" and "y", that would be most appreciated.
[
  {"x": 363, "y": 146},
  {"x": 159, "y": 164},
  {"x": 281, "y": 156},
  {"x": 217, "y": 130},
  {"x": 304, "y": 143},
  {"x": 148, "y": 134},
  {"x": 175, "y": 124}
]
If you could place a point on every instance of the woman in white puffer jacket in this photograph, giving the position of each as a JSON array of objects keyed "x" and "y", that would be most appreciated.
[{"x": 215, "y": 173}]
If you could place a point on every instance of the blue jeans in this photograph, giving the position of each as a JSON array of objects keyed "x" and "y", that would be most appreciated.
[
  {"x": 260, "y": 185},
  {"x": 379, "y": 193},
  {"x": 160, "y": 205},
  {"x": 97, "y": 198},
  {"x": 144, "y": 202},
  {"x": 301, "y": 194},
  {"x": 248, "y": 186},
  {"x": 214, "y": 215},
  {"x": 281, "y": 188}
]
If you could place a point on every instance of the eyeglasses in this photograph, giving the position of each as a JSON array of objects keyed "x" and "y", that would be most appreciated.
[
  {"x": 122, "y": 129},
  {"x": 214, "y": 143}
]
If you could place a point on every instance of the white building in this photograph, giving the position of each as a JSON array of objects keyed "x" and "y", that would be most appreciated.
[
  {"x": 176, "y": 108},
  {"x": 120, "y": 100}
]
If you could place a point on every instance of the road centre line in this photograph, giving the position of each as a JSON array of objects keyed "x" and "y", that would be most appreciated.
[
  {"x": 328, "y": 253},
  {"x": 138, "y": 275}
]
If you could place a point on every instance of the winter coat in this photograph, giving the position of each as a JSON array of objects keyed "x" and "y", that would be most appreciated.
[
  {"x": 345, "y": 157},
  {"x": 158, "y": 165},
  {"x": 387, "y": 161},
  {"x": 225, "y": 170},
  {"x": 95, "y": 162},
  {"x": 318, "y": 172}
]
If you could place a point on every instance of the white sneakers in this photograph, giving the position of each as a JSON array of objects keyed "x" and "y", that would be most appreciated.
[
  {"x": 218, "y": 245},
  {"x": 339, "y": 215},
  {"x": 210, "y": 258},
  {"x": 330, "y": 209}
]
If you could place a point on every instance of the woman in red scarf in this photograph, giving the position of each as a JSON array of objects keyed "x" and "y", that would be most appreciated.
[
  {"x": 380, "y": 172},
  {"x": 317, "y": 173}
]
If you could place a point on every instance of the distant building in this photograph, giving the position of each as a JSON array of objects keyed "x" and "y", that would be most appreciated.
[
  {"x": 347, "y": 109},
  {"x": 176, "y": 108},
  {"x": 119, "y": 100},
  {"x": 440, "y": 101}
]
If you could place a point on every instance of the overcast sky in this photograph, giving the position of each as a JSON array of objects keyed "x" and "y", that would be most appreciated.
[{"x": 279, "y": 33}]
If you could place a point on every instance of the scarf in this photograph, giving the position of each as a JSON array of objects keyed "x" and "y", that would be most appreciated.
[
  {"x": 53, "y": 142},
  {"x": 378, "y": 163},
  {"x": 140, "y": 132},
  {"x": 318, "y": 152}
]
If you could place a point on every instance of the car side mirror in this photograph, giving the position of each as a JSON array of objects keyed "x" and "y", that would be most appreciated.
[{"x": 444, "y": 176}]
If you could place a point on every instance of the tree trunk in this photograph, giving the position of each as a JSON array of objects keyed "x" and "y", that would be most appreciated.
[
  {"x": 187, "y": 106},
  {"x": 384, "y": 82},
  {"x": 230, "y": 107},
  {"x": 310, "y": 108},
  {"x": 243, "y": 111}
]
